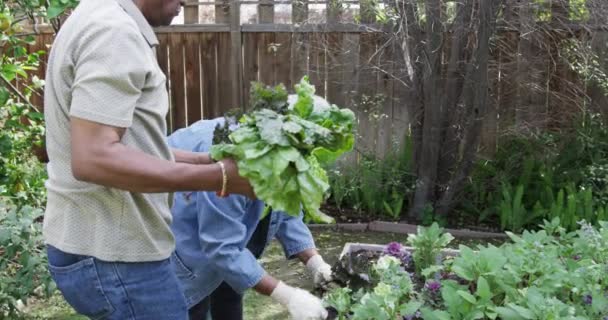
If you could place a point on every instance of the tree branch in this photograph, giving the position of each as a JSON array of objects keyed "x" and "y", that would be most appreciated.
[{"x": 19, "y": 94}]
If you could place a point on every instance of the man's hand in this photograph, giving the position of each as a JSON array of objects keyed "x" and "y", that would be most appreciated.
[
  {"x": 236, "y": 183},
  {"x": 301, "y": 304},
  {"x": 320, "y": 270}
]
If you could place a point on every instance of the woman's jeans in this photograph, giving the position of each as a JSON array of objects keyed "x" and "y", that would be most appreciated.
[
  {"x": 118, "y": 290},
  {"x": 224, "y": 303}
]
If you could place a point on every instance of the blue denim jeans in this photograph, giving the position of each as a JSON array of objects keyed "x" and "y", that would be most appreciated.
[
  {"x": 118, "y": 290},
  {"x": 224, "y": 303}
]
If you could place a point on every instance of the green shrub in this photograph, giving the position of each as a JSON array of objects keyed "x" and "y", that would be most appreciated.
[{"x": 22, "y": 259}]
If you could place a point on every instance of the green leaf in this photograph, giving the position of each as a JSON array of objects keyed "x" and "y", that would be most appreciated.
[
  {"x": 55, "y": 10},
  {"x": 428, "y": 314},
  {"x": 463, "y": 272},
  {"x": 270, "y": 125},
  {"x": 4, "y": 96},
  {"x": 508, "y": 314},
  {"x": 523, "y": 312},
  {"x": 410, "y": 308},
  {"x": 304, "y": 106},
  {"x": 5, "y": 234},
  {"x": 467, "y": 296},
  {"x": 483, "y": 289}
]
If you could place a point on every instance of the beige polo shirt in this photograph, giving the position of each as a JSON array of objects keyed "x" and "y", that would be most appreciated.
[{"x": 102, "y": 67}]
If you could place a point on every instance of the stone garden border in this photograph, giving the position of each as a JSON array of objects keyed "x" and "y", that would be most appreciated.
[{"x": 404, "y": 228}]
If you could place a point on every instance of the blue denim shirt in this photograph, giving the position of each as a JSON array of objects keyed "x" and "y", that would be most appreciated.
[{"x": 212, "y": 233}]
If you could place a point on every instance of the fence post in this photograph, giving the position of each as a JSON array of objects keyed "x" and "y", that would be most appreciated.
[
  {"x": 191, "y": 12},
  {"x": 222, "y": 11},
  {"x": 266, "y": 11},
  {"x": 236, "y": 51}
]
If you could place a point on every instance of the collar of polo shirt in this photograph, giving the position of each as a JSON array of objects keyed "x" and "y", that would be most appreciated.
[{"x": 145, "y": 28}]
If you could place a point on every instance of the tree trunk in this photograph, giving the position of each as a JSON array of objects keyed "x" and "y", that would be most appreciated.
[
  {"x": 431, "y": 126},
  {"x": 478, "y": 84}
]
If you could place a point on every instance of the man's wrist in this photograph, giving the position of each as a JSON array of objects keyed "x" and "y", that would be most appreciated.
[{"x": 204, "y": 158}]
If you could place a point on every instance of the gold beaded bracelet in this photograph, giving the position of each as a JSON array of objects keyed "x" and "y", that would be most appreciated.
[{"x": 224, "y": 180}]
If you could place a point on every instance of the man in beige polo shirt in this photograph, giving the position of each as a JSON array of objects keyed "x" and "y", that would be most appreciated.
[{"x": 107, "y": 219}]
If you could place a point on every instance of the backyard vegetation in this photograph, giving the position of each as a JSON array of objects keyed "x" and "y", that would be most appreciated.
[
  {"x": 546, "y": 274},
  {"x": 486, "y": 115}
]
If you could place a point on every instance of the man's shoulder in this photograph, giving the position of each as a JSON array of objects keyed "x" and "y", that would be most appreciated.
[{"x": 96, "y": 18}]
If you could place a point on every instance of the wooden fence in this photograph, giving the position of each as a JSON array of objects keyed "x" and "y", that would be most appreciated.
[{"x": 210, "y": 67}]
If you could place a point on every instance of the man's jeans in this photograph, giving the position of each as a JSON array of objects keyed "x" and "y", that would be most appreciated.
[{"x": 117, "y": 290}]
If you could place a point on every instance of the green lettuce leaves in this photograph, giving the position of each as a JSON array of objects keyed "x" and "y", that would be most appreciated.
[{"x": 281, "y": 150}]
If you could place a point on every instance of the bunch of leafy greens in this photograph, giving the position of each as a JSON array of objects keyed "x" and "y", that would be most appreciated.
[{"x": 281, "y": 149}]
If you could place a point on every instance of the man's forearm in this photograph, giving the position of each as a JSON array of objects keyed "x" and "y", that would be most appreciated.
[
  {"x": 266, "y": 285},
  {"x": 122, "y": 167},
  {"x": 183, "y": 156}
]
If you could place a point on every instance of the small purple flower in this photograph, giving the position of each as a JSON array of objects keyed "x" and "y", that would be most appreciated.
[
  {"x": 393, "y": 249},
  {"x": 588, "y": 299},
  {"x": 433, "y": 286},
  {"x": 576, "y": 257}
]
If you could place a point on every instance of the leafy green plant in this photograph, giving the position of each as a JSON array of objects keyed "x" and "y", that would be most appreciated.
[
  {"x": 513, "y": 214},
  {"x": 376, "y": 186},
  {"x": 391, "y": 297},
  {"x": 22, "y": 258},
  {"x": 393, "y": 206},
  {"x": 428, "y": 243},
  {"x": 429, "y": 217},
  {"x": 22, "y": 193},
  {"x": 548, "y": 274},
  {"x": 340, "y": 300},
  {"x": 596, "y": 179},
  {"x": 281, "y": 150}
]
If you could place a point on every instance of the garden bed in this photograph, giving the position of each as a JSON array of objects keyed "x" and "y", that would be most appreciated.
[{"x": 549, "y": 274}]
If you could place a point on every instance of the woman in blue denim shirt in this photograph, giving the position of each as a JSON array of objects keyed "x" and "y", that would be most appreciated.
[{"x": 219, "y": 239}]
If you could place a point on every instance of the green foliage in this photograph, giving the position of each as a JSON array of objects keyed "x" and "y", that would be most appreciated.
[
  {"x": 340, "y": 300},
  {"x": 544, "y": 176},
  {"x": 582, "y": 59},
  {"x": 22, "y": 192},
  {"x": 595, "y": 178},
  {"x": 578, "y": 10},
  {"x": 22, "y": 260},
  {"x": 548, "y": 274},
  {"x": 374, "y": 184},
  {"x": 428, "y": 243},
  {"x": 391, "y": 296},
  {"x": 21, "y": 179},
  {"x": 57, "y": 7},
  {"x": 542, "y": 9},
  {"x": 281, "y": 150}
]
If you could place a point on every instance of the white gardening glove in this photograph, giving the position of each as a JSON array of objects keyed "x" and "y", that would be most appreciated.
[
  {"x": 301, "y": 304},
  {"x": 321, "y": 271}
]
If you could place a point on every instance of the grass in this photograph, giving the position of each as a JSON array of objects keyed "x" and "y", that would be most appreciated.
[{"x": 257, "y": 307}]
